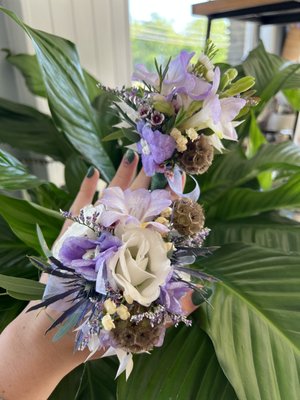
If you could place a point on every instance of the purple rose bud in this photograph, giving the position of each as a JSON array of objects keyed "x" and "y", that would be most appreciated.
[{"x": 157, "y": 118}]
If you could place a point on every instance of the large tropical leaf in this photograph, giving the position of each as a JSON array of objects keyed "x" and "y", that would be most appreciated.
[
  {"x": 75, "y": 170},
  {"x": 254, "y": 320},
  {"x": 67, "y": 95},
  {"x": 271, "y": 73},
  {"x": 29, "y": 67},
  {"x": 21, "y": 288},
  {"x": 13, "y": 262},
  {"x": 185, "y": 367},
  {"x": 98, "y": 380},
  {"x": 266, "y": 230},
  {"x": 245, "y": 202},
  {"x": 13, "y": 174},
  {"x": 25, "y": 128},
  {"x": 50, "y": 196},
  {"x": 23, "y": 216},
  {"x": 234, "y": 169}
]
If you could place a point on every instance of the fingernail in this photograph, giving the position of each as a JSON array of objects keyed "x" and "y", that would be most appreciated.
[
  {"x": 197, "y": 299},
  {"x": 199, "y": 296},
  {"x": 90, "y": 172},
  {"x": 129, "y": 156}
]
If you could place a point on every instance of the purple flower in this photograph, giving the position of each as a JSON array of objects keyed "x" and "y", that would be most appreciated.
[
  {"x": 144, "y": 110},
  {"x": 142, "y": 74},
  {"x": 137, "y": 206},
  {"x": 157, "y": 118},
  {"x": 155, "y": 148},
  {"x": 180, "y": 80},
  {"x": 171, "y": 294},
  {"x": 88, "y": 257}
]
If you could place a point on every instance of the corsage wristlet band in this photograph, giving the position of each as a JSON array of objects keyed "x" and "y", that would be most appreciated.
[{"x": 118, "y": 274}]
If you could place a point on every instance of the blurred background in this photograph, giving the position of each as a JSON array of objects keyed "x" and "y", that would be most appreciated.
[{"x": 114, "y": 35}]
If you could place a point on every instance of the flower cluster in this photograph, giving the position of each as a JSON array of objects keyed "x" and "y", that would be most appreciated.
[
  {"x": 119, "y": 273},
  {"x": 181, "y": 113}
]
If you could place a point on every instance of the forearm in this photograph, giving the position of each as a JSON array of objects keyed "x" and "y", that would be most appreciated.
[{"x": 36, "y": 365}]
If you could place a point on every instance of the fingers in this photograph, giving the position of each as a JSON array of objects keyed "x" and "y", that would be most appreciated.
[
  {"x": 141, "y": 181},
  {"x": 126, "y": 171},
  {"x": 85, "y": 195}
]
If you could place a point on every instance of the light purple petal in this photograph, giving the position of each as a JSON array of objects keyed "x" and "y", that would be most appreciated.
[
  {"x": 158, "y": 227},
  {"x": 162, "y": 147},
  {"x": 141, "y": 73},
  {"x": 177, "y": 71},
  {"x": 231, "y": 107},
  {"x": 116, "y": 195},
  {"x": 149, "y": 165},
  {"x": 160, "y": 200},
  {"x": 216, "y": 80},
  {"x": 137, "y": 202}
]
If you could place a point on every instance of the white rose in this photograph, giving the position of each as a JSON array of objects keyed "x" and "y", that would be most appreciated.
[{"x": 141, "y": 265}]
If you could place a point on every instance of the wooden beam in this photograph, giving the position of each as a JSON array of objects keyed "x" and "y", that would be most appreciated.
[{"x": 220, "y": 6}]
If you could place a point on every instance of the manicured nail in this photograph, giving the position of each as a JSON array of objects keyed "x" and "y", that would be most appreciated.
[
  {"x": 129, "y": 156},
  {"x": 198, "y": 297},
  {"x": 90, "y": 172}
]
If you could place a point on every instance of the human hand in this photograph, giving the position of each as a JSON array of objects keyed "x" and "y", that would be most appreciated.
[{"x": 26, "y": 353}]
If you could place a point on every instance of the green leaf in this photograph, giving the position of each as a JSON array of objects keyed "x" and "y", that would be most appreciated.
[
  {"x": 13, "y": 262},
  {"x": 233, "y": 169},
  {"x": 22, "y": 217},
  {"x": 68, "y": 386},
  {"x": 254, "y": 320},
  {"x": 266, "y": 230},
  {"x": 240, "y": 203},
  {"x": 272, "y": 74},
  {"x": 114, "y": 136},
  {"x": 29, "y": 67},
  {"x": 91, "y": 85},
  {"x": 185, "y": 367},
  {"x": 67, "y": 95},
  {"x": 13, "y": 174},
  {"x": 75, "y": 170},
  {"x": 25, "y": 128},
  {"x": 43, "y": 243},
  {"x": 50, "y": 196},
  {"x": 25, "y": 288},
  {"x": 256, "y": 138},
  {"x": 293, "y": 97},
  {"x": 98, "y": 380}
]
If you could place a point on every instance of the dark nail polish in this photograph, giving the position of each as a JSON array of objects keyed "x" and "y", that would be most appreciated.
[
  {"x": 129, "y": 156},
  {"x": 90, "y": 172},
  {"x": 197, "y": 298}
]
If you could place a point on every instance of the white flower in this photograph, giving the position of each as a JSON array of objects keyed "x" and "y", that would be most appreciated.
[
  {"x": 110, "y": 306},
  {"x": 107, "y": 322},
  {"x": 123, "y": 312},
  {"x": 192, "y": 134},
  {"x": 141, "y": 265}
]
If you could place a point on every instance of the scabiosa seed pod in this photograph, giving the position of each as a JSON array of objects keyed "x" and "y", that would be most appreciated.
[
  {"x": 136, "y": 337},
  {"x": 198, "y": 156},
  {"x": 188, "y": 217}
]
